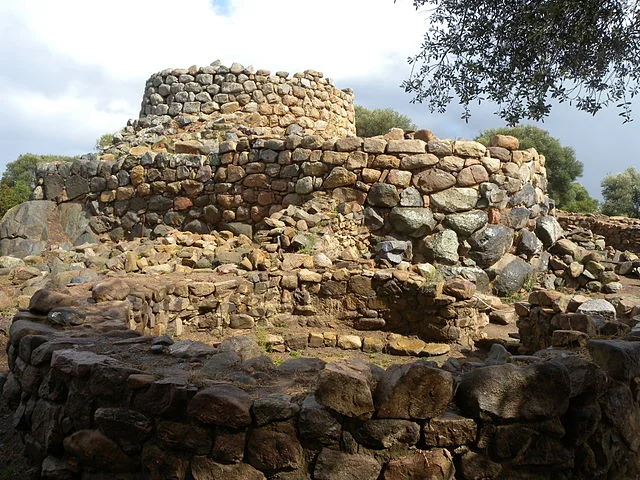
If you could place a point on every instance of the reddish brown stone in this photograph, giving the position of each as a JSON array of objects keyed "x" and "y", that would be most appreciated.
[{"x": 182, "y": 203}]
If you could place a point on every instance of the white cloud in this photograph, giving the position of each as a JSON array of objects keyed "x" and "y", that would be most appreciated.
[
  {"x": 135, "y": 38},
  {"x": 75, "y": 69}
]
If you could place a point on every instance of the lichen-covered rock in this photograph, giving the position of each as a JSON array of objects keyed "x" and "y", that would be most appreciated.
[
  {"x": 414, "y": 221},
  {"x": 490, "y": 244}
]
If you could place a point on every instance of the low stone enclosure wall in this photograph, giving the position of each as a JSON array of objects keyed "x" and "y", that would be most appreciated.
[
  {"x": 620, "y": 232},
  {"x": 306, "y": 103},
  {"x": 97, "y": 400},
  {"x": 444, "y": 200}
]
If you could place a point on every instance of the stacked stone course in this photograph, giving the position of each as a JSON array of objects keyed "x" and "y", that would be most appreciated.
[
  {"x": 268, "y": 104},
  {"x": 620, "y": 233},
  {"x": 100, "y": 400},
  {"x": 444, "y": 200}
]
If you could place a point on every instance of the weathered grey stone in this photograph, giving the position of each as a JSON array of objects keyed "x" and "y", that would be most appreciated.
[
  {"x": 274, "y": 448},
  {"x": 224, "y": 405},
  {"x": 442, "y": 247},
  {"x": 512, "y": 277},
  {"x": 384, "y": 433},
  {"x": 528, "y": 243},
  {"x": 597, "y": 307},
  {"x": 490, "y": 243},
  {"x": 345, "y": 387},
  {"x": 394, "y": 251},
  {"x": 548, "y": 230},
  {"x": 455, "y": 200},
  {"x": 464, "y": 224},
  {"x": 539, "y": 390},
  {"x": 526, "y": 196},
  {"x": 373, "y": 219},
  {"x": 516, "y": 218},
  {"x": 414, "y": 221},
  {"x": 317, "y": 425},
  {"x": 126, "y": 427},
  {"x": 413, "y": 391},
  {"x": 619, "y": 358},
  {"x": 273, "y": 408},
  {"x": 383, "y": 195},
  {"x": 411, "y": 197}
]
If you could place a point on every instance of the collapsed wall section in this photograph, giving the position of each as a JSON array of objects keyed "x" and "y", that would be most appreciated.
[{"x": 306, "y": 103}]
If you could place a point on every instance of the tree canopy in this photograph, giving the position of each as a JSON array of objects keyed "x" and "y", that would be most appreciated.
[
  {"x": 370, "y": 123},
  {"x": 621, "y": 193},
  {"x": 524, "y": 54},
  {"x": 562, "y": 165}
]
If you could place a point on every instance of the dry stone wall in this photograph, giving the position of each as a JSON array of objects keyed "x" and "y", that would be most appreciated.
[
  {"x": 620, "y": 232},
  {"x": 306, "y": 103},
  {"x": 98, "y": 401},
  {"x": 444, "y": 201}
]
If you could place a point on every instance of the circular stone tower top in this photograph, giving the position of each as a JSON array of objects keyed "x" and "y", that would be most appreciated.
[{"x": 267, "y": 104}]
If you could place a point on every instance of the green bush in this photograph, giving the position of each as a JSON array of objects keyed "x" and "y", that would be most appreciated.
[
  {"x": 621, "y": 193},
  {"x": 104, "y": 142},
  {"x": 370, "y": 123}
]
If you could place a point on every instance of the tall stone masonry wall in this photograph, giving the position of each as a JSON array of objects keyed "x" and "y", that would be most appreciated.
[
  {"x": 441, "y": 200},
  {"x": 306, "y": 103}
]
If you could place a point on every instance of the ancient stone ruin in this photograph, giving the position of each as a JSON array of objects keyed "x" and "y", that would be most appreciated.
[{"x": 175, "y": 288}]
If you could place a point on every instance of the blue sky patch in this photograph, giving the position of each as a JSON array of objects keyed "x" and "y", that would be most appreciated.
[{"x": 223, "y": 7}]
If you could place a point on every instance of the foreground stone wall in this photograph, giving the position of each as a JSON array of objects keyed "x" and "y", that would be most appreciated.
[
  {"x": 442, "y": 200},
  {"x": 306, "y": 103},
  {"x": 619, "y": 232},
  {"x": 100, "y": 401}
]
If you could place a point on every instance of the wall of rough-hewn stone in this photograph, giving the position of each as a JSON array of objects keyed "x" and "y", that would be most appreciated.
[
  {"x": 442, "y": 200},
  {"x": 99, "y": 400},
  {"x": 620, "y": 233},
  {"x": 306, "y": 103}
]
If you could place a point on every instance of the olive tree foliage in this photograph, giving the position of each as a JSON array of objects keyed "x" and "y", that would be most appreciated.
[
  {"x": 370, "y": 123},
  {"x": 524, "y": 54},
  {"x": 621, "y": 193},
  {"x": 562, "y": 165},
  {"x": 104, "y": 142},
  {"x": 17, "y": 181}
]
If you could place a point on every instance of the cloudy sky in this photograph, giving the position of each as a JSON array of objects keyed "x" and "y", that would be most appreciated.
[{"x": 72, "y": 70}]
